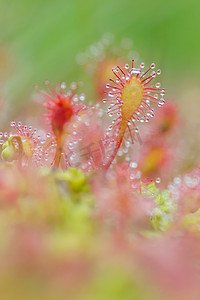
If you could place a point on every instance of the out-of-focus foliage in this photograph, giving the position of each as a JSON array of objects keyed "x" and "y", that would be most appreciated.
[
  {"x": 59, "y": 237},
  {"x": 162, "y": 215},
  {"x": 39, "y": 40}
]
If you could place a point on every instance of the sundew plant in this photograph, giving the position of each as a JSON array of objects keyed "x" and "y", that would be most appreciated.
[{"x": 92, "y": 206}]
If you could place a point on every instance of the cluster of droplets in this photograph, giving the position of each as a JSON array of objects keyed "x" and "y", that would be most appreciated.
[
  {"x": 181, "y": 185},
  {"x": 105, "y": 47},
  {"x": 153, "y": 94},
  {"x": 2, "y": 136},
  {"x": 70, "y": 152},
  {"x": 19, "y": 130},
  {"x": 73, "y": 148},
  {"x": 37, "y": 139},
  {"x": 137, "y": 182},
  {"x": 44, "y": 149},
  {"x": 53, "y": 97}
]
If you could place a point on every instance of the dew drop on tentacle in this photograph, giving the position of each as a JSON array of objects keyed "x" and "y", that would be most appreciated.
[
  {"x": 82, "y": 97},
  {"x": 126, "y": 66},
  {"x": 63, "y": 85},
  {"x": 158, "y": 180}
]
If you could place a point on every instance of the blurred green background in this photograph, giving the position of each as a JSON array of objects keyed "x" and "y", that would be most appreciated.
[{"x": 40, "y": 39}]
